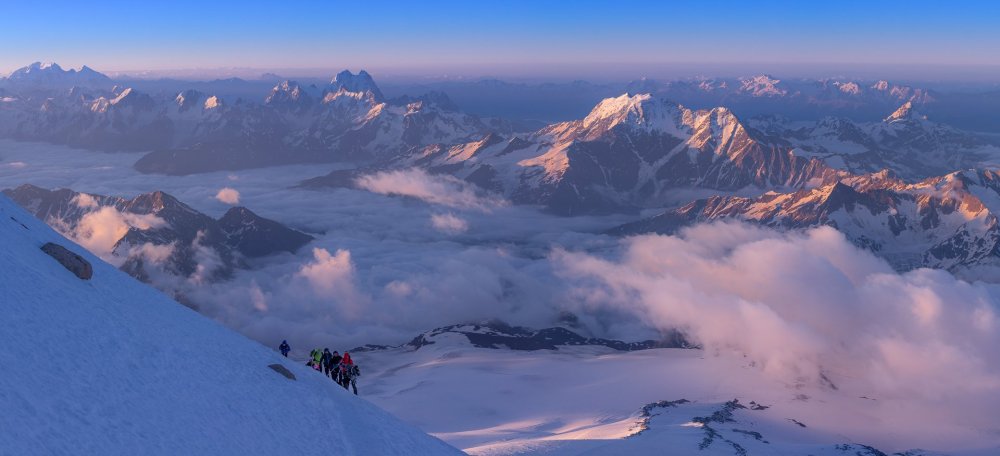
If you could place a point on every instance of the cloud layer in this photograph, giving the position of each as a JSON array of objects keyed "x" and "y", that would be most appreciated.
[{"x": 807, "y": 308}]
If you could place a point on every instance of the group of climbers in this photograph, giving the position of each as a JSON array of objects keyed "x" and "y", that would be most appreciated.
[{"x": 339, "y": 368}]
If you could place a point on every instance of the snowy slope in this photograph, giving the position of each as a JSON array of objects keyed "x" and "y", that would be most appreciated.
[
  {"x": 591, "y": 400},
  {"x": 110, "y": 366}
]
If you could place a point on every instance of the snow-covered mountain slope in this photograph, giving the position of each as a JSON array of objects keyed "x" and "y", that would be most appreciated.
[
  {"x": 595, "y": 400},
  {"x": 945, "y": 222},
  {"x": 155, "y": 232},
  {"x": 110, "y": 366}
]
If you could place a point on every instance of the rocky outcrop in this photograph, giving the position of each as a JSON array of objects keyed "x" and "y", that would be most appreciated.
[{"x": 72, "y": 262}]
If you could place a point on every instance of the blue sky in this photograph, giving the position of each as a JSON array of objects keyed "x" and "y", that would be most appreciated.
[{"x": 490, "y": 36}]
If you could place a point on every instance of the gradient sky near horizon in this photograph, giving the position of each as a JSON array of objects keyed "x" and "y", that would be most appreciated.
[{"x": 487, "y": 36}]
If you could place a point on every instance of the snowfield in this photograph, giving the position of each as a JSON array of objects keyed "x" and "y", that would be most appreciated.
[
  {"x": 587, "y": 400},
  {"x": 111, "y": 366}
]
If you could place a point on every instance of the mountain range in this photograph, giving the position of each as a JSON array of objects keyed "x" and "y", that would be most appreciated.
[
  {"x": 638, "y": 151},
  {"x": 634, "y": 151},
  {"x": 347, "y": 120},
  {"x": 946, "y": 222},
  {"x": 42, "y": 76}
]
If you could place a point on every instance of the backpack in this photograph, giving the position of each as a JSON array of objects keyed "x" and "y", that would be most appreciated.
[{"x": 355, "y": 371}]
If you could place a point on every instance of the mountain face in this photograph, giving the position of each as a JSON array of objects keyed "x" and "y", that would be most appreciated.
[
  {"x": 158, "y": 232},
  {"x": 947, "y": 222},
  {"x": 144, "y": 375}
]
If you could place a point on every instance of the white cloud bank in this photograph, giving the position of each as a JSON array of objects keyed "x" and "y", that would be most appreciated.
[
  {"x": 443, "y": 190},
  {"x": 808, "y": 307}
]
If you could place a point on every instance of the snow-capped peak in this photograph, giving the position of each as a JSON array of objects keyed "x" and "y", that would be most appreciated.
[
  {"x": 905, "y": 112},
  {"x": 640, "y": 110},
  {"x": 54, "y": 75},
  {"x": 213, "y": 102},
  {"x": 882, "y": 85},
  {"x": 126, "y": 98},
  {"x": 622, "y": 109},
  {"x": 289, "y": 94},
  {"x": 359, "y": 83},
  {"x": 763, "y": 85},
  {"x": 34, "y": 68},
  {"x": 849, "y": 88}
]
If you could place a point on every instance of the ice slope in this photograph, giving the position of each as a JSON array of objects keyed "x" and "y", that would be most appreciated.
[{"x": 110, "y": 366}]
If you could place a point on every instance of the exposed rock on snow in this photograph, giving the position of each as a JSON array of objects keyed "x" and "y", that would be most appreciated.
[
  {"x": 282, "y": 370},
  {"x": 72, "y": 262}
]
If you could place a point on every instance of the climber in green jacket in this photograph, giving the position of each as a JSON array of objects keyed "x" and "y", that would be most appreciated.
[{"x": 317, "y": 359}]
